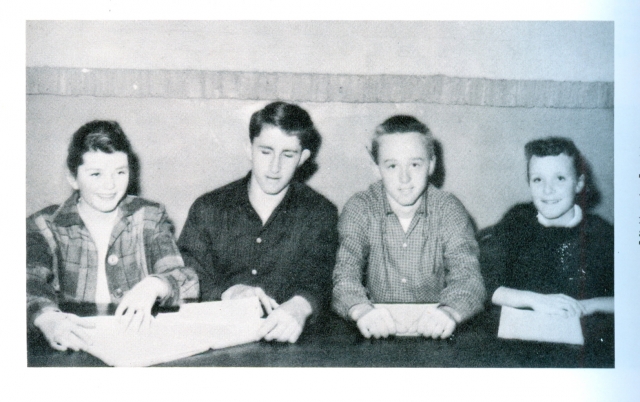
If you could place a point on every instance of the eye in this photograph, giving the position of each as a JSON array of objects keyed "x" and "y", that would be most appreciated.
[
  {"x": 122, "y": 172},
  {"x": 95, "y": 174},
  {"x": 535, "y": 180},
  {"x": 289, "y": 154},
  {"x": 391, "y": 166},
  {"x": 561, "y": 178},
  {"x": 416, "y": 164}
]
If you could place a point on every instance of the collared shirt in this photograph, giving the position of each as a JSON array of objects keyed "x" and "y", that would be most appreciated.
[
  {"x": 293, "y": 253},
  {"x": 434, "y": 261},
  {"x": 62, "y": 257}
]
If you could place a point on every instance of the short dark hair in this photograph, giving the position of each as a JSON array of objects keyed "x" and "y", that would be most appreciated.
[
  {"x": 401, "y": 124},
  {"x": 554, "y": 146},
  {"x": 290, "y": 118},
  {"x": 97, "y": 135}
]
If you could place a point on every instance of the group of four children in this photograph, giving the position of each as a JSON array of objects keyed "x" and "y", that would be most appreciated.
[{"x": 271, "y": 236}]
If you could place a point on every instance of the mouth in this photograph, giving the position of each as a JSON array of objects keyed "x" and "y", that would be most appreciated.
[
  {"x": 107, "y": 197},
  {"x": 405, "y": 191},
  {"x": 550, "y": 202}
]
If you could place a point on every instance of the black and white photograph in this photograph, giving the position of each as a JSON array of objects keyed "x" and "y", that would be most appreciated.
[{"x": 337, "y": 197}]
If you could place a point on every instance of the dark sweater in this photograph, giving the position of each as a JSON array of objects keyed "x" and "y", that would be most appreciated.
[{"x": 520, "y": 253}]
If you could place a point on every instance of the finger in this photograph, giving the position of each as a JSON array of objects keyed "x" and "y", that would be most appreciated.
[
  {"x": 83, "y": 336},
  {"x": 401, "y": 328},
  {"x": 274, "y": 303},
  {"x": 264, "y": 300},
  {"x": 389, "y": 323},
  {"x": 437, "y": 331},
  {"x": 297, "y": 331},
  {"x": 80, "y": 321},
  {"x": 57, "y": 346},
  {"x": 277, "y": 332},
  {"x": 136, "y": 321},
  {"x": 122, "y": 307},
  {"x": 448, "y": 330},
  {"x": 267, "y": 326},
  {"x": 364, "y": 330}
]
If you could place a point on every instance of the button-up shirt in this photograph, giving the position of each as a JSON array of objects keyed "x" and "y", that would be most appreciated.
[
  {"x": 293, "y": 253},
  {"x": 434, "y": 261},
  {"x": 62, "y": 258}
]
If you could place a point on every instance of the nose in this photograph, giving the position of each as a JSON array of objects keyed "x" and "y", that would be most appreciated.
[
  {"x": 109, "y": 182},
  {"x": 274, "y": 164},
  {"x": 548, "y": 188},
  {"x": 405, "y": 175}
]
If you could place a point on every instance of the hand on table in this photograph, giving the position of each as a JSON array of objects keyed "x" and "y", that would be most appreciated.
[
  {"x": 135, "y": 307},
  {"x": 64, "y": 331},
  {"x": 244, "y": 291},
  {"x": 557, "y": 304},
  {"x": 378, "y": 323},
  {"x": 286, "y": 322},
  {"x": 434, "y": 323}
]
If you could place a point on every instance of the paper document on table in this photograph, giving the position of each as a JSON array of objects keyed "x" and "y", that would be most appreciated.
[
  {"x": 194, "y": 329},
  {"x": 529, "y": 325},
  {"x": 406, "y": 314}
]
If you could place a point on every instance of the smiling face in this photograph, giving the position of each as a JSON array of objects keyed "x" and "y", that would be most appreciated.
[
  {"x": 102, "y": 179},
  {"x": 554, "y": 184},
  {"x": 275, "y": 156},
  {"x": 405, "y": 166}
]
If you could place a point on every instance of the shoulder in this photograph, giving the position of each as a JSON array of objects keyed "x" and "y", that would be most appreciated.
[
  {"x": 221, "y": 197},
  {"x": 312, "y": 199},
  {"x": 519, "y": 214},
  {"x": 45, "y": 215},
  {"x": 598, "y": 227},
  {"x": 370, "y": 199},
  {"x": 444, "y": 204}
]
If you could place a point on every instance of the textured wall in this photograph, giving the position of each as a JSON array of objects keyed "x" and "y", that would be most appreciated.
[
  {"x": 189, "y": 146},
  {"x": 184, "y": 92}
]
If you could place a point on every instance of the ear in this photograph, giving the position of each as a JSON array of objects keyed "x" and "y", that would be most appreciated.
[
  {"x": 304, "y": 156},
  {"x": 432, "y": 165},
  {"x": 72, "y": 181},
  {"x": 580, "y": 183}
]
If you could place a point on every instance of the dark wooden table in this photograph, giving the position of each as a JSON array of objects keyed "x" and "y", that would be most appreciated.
[{"x": 333, "y": 342}]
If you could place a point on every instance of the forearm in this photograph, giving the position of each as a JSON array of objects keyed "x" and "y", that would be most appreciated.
[
  {"x": 598, "y": 305},
  {"x": 515, "y": 298}
]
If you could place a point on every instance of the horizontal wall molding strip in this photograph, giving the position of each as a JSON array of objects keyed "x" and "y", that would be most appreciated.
[{"x": 197, "y": 84}]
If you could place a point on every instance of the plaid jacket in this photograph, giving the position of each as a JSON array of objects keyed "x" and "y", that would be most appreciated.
[
  {"x": 435, "y": 261},
  {"x": 62, "y": 257}
]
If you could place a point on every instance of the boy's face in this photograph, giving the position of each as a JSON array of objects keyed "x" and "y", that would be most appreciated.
[
  {"x": 554, "y": 185},
  {"x": 275, "y": 156},
  {"x": 405, "y": 166},
  {"x": 102, "y": 179}
]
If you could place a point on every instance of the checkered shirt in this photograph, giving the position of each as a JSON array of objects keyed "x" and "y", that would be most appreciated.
[
  {"x": 62, "y": 259},
  {"x": 435, "y": 261}
]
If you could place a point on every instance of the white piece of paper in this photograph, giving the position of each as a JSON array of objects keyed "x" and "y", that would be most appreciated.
[
  {"x": 406, "y": 314},
  {"x": 530, "y": 325},
  {"x": 194, "y": 329}
]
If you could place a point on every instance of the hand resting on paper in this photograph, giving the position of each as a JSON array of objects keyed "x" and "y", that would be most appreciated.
[
  {"x": 243, "y": 291},
  {"x": 64, "y": 331},
  {"x": 556, "y": 304},
  {"x": 598, "y": 305},
  {"x": 376, "y": 322},
  {"x": 135, "y": 307},
  {"x": 436, "y": 323},
  {"x": 286, "y": 322}
]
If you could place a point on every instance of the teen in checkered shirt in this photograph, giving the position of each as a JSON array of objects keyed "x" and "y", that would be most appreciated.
[{"x": 411, "y": 241}]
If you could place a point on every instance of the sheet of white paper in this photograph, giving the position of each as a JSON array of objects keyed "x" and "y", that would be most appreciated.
[
  {"x": 171, "y": 336},
  {"x": 406, "y": 314},
  {"x": 529, "y": 325}
]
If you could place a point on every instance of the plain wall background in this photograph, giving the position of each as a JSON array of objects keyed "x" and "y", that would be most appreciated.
[{"x": 190, "y": 146}]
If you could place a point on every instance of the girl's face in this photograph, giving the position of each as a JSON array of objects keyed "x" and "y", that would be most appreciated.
[
  {"x": 102, "y": 179},
  {"x": 554, "y": 185}
]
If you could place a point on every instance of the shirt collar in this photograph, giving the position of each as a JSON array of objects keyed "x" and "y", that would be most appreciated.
[
  {"x": 422, "y": 208},
  {"x": 68, "y": 215},
  {"x": 577, "y": 218},
  {"x": 285, "y": 204}
]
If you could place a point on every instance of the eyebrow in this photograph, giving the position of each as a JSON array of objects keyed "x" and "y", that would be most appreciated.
[{"x": 284, "y": 150}]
